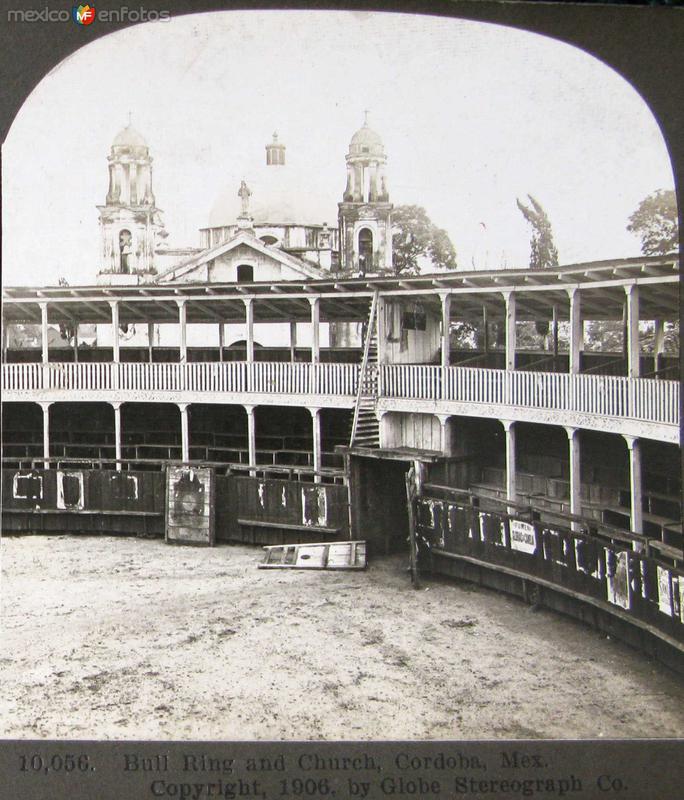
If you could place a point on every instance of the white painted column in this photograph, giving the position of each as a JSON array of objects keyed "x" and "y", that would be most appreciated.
[
  {"x": 446, "y": 339},
  {"x": 76, "y": 342},
  {"x": 249, "y": 328},
  {"x": 44, "y": 332},
  {"x": 317, "y": 455},
  {"x": 576, "y": 331},
  {"x": 510, "y": 329},
  {"x": 46, "y": 432},
  {"x": 509, "y": 428},
  {"x": 315, "y": 329},
  {"x": 222, "y": 340},
  {"x": 658, "y": 343},
  {"x": 117, "y": 433},
  {"x": 444, "y": 443},
  {"x": 150, "y": 340},
  {"x": 116, "y": 350},
  {"x": 183, "y": 321},
  {"x": 185, "y": 432},
  {"x": 636, "y": 513},
  {"x": 293, "y": 341},
  {"x": 485, "y": 333},
  {"x": 575, "y": 475},
  {"x": 382, "y": 329},
  {"x": 633, "y": 365},
  {"x": 251, "y": 437}
]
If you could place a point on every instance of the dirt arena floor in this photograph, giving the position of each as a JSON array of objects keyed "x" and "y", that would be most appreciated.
[{"x": 130, "y": 638}]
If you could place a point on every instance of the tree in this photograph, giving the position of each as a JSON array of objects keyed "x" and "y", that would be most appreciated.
[
  {"x": 655, "y": 222},
  {"x": 543, "y": 251},
  {"x": 416, "y": 238}
]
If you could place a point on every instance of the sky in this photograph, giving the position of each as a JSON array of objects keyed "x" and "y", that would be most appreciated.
[{"x": 472, "y": 115}]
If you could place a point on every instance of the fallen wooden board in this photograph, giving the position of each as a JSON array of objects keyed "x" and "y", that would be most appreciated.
[{"x": 323, "y": 555}]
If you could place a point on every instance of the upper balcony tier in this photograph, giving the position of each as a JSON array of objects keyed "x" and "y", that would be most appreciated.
[
  {"x": 630, "y": 406},
  {"x": 415, "y": 323}
]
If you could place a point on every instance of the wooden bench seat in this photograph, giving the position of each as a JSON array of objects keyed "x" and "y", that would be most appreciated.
[
  {"x": 288, "y": 526},
  {"x": 81, "y": 512}
]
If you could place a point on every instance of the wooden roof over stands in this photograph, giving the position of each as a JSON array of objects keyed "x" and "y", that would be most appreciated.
[{"x": 346, "y": 299}]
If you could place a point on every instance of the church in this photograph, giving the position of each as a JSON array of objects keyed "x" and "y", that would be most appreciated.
[{"x": 265, "y": 229}]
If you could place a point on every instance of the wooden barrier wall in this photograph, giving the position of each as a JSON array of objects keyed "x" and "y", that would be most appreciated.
[
  {"x": 643, "y": 589},
  {"x": 247, "y": 508}
]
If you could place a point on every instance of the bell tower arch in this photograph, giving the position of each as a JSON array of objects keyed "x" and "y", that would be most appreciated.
[
  {"x": 365, "y": 213},
  {"x": 131, "y": 225}
]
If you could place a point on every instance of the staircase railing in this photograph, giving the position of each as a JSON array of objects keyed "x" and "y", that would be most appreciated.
[{"x": 364, "y": 366}]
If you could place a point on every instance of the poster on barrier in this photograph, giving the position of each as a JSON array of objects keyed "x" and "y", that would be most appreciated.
[
  {"x": 664, "y": 591},
  {"x": 189, "y": 505},
  {"x": 617, "y": 580},
  {"x": 523, "y": 536},
  {"x": 70, "y": 491}
]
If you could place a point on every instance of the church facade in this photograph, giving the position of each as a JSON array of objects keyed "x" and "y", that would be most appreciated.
[{"x": 261, "y": 230}]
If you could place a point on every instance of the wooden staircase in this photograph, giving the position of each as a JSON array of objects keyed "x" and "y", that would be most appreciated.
[{"x": 365, "y": 430}]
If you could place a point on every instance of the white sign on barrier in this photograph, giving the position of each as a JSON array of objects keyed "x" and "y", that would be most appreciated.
[{"x": 523, "y": 536}]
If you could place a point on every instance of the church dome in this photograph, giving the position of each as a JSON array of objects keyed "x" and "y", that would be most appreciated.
[
  {"x": 366, "y": 142},
  {"x": 129, "y": 137},
  {"x": 280, "y": 195}
]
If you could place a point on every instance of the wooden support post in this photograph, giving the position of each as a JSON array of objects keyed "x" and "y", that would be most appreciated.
[
  {"x": 46, "y": 433},
  {"x": 183, "y": 320},
  {"x": 444, "y": 443},
  {"x": 222, "y": 340},
  {"x": 315, "y": 329},
  {"x": 381, "y": 317},
  {"x": 658, "y": 344},
  {"x": 75, "y": 342},
  {"x": 446, "y": 339},
  {"x": 575, "y": 473},
  {"x": 150, "y": 341},
  {"x": 317, "y": 455},
  {"x": 293, "y": 341},
  {"x": 636, "y": 513},
  {"x": 412, "y": 492},
  {"x": 510, "y": 329},
  {"x": 251, "y": 438},
  {"x": 116, "y": 351},
  {"x": 509, "y": 428},
  {"x": 44, "y": 332},
  {"x": 485, "y": 335},
  {"x": 5, "y": 339},
  {"x": 249, "y": 328},
  {"x": 185, "y": 432},
  {"x": 117, "y": 433},
  {"x": 554, "y": 335},
  {"x": 633, "y": 361},
  {"x": 576, "y": 333}
]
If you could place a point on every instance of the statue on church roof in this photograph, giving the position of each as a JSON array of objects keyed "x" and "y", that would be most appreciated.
[{"x": 244, "y": 194}]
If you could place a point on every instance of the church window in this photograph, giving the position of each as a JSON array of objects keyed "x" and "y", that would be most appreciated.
[
  {"x": 245, "y": 273},
  {"x": 269, "y": 240},
  {"x": 366, "y": 250},
  {"x": 125, "y": 251}
]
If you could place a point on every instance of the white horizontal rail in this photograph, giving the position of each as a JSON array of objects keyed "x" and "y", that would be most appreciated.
[
  {"x": 650, "y": 400},
  {"x": 603, "y": 395}
]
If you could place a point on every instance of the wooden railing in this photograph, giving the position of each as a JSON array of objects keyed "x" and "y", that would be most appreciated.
[
  {"x": 654, "y": 401},
  {"x": 239, "y": 376},
  {"x": 602, "y": 395}
]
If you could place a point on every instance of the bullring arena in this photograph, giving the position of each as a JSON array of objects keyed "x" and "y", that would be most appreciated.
[{"x": 542, "y": 513}]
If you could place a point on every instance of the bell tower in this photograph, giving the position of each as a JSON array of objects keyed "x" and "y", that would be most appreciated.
[
  {"x": 130, "y": 223},
  {"x": 365, "y": 213}
]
